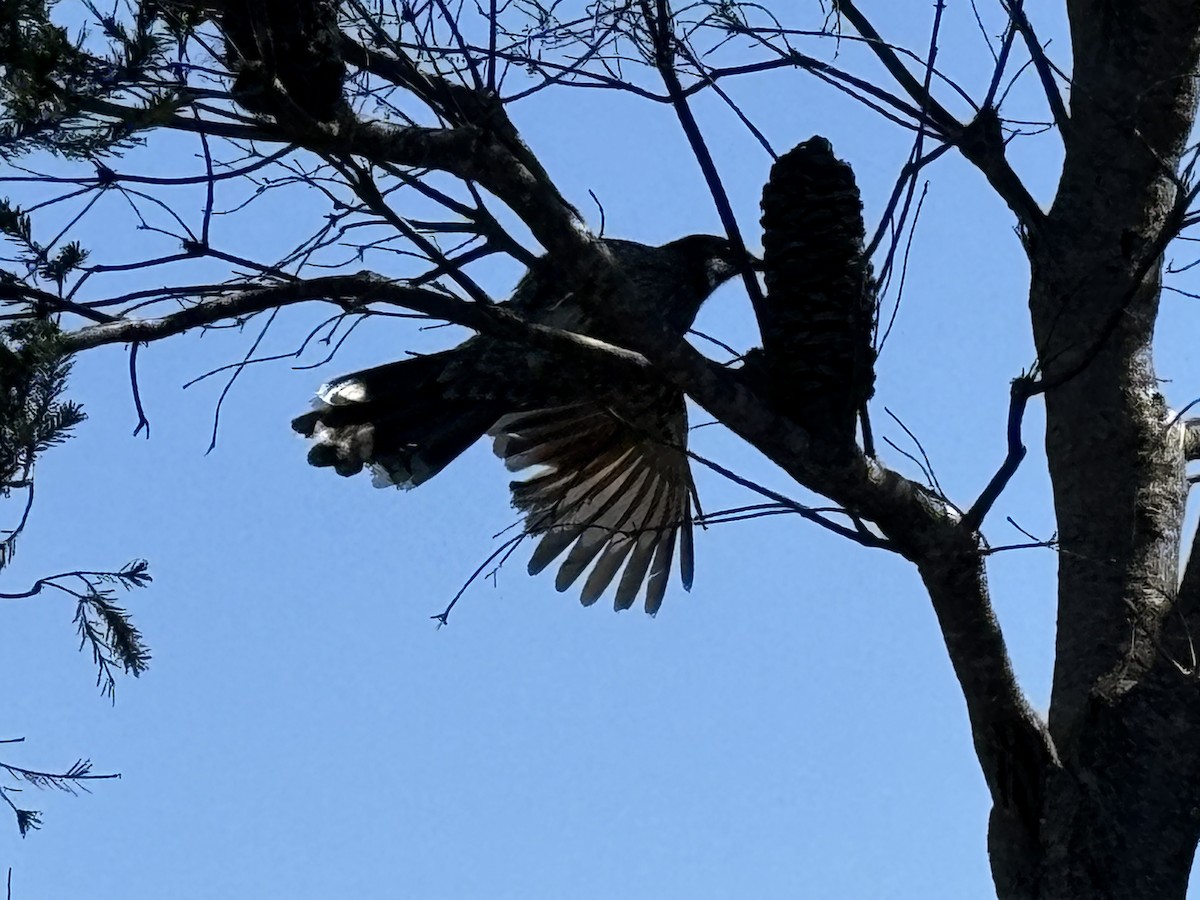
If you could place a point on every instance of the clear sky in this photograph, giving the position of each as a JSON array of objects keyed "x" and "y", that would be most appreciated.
[{"x": 790, "y": 728}]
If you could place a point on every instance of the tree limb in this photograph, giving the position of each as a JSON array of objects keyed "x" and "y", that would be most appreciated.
[
  {"x": 1019, "y": 397},
  {"x": 352, "y": 291},
  {"x": 1041, "y": 64},
  {"x": 661, "y": 27},
  {"x": 1012, "y": 743},
  {"x": 980, "y": 141}
]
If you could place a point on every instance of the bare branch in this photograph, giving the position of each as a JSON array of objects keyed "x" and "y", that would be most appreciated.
[
  {"x": 1041, "y": 63},
  {"x": 940, "y": 118},
  {"x": 1012, "y": 461},
  {"x": 859, "y": 535},
  {"x": 348, "y": 291},
  {"x": 661, "y": 28},
  {"x": 980, "y": 141}
]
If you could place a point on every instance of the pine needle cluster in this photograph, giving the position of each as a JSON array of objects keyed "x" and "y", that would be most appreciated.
[{"x": 34, "y": 414}]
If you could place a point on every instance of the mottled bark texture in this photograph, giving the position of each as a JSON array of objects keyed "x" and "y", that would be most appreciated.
[{"x": 1119, "y": 815}]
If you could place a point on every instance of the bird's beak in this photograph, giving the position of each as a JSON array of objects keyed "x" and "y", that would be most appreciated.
[{"x": 756, "y": 264}]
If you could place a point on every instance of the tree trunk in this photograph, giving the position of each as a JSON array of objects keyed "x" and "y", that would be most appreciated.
[{"x": 1120, "y": 814}]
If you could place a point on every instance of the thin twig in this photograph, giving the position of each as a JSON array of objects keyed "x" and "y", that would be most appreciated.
[
  {"x": 1018, "y": 398},
  {"x": 506, "y": 549},
  {"x": 142, "y": 421},
  {"x": 661, "y": 29},
  {"x": 859, "y": 535},
  {"x": 1016, "y": 9}
]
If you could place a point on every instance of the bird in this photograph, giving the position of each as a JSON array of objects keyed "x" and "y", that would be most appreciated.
[{"x": 611, "y": 484}]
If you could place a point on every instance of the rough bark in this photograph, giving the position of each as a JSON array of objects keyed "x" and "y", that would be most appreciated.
[{"x": 1118, "y": 817}]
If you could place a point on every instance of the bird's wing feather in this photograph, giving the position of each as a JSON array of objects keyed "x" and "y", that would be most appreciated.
[{"x": 615, "y": 488}]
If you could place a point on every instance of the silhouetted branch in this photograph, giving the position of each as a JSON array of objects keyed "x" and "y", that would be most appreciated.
[
  {"x": 1019, "y": 397},
  {"x": 73, "y": 781},
  {"x": 939, "y": 117},
  {"x": 103, "y": 626},
  {"x": 503, "y": 552},
  {"x": 661, "y": 29},
  {"x": 1150, "y": 258},
  {"x": 1016, "y": 9},
  {"x": 135, "y": 389},
  {"x": 980, "y": 141},
  {"x": 859, "y": 535}
]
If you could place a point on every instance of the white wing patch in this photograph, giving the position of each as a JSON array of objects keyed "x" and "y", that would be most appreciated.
[
  {"x": 343, "y": 392},
  {"x": 615, "y": 494}
]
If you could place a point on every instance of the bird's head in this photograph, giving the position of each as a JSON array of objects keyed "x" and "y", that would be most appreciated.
[
  {"x": 704, "y": 263},
  {"x": 714, "y": 259}
]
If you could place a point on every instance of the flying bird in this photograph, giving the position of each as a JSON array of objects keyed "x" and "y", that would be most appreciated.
[{"x": 611, "y": 485}]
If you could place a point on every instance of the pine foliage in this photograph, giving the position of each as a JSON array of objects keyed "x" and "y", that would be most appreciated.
[
  {"x": 53, "y": 83},
  {"x": 34, "y": 416}
]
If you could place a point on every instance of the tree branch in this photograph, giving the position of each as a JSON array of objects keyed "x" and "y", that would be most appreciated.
[
  {"x": 980, "y": 141},
  {"x": 939, "y": 116},
  {"x": 1019, "y": 397},
  {"x": 1012, "y": 743},
  {"x": 470, "y": 152},
  {"x": 661, "y": 27},
  {"x": 1041, "y": 64},
  {"x": 51, "y": 303},
  {"x": 348, "y": 291}
]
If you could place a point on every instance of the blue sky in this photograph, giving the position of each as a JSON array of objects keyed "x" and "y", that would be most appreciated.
[{"x": 789, "y": 728}]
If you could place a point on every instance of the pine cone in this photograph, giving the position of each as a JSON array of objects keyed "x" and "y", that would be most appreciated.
[
  {"x": 819, "y": 319},
  {"x": 285, "y": 54}
]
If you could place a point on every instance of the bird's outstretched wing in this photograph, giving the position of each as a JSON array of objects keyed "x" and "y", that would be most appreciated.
[{"x": 616, "y": 490}]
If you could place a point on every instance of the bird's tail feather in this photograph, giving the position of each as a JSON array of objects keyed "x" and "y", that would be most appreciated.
[{"x": 405, "y": 420}]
